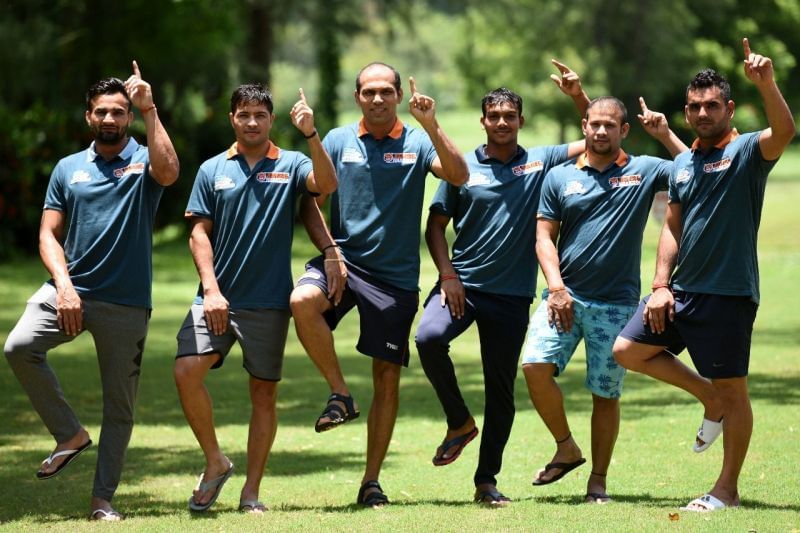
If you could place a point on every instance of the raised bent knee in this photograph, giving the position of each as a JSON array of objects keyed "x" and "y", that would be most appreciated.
[
  {"x": 18, "y": 350},
  {"x": 307, "y": 300},
  {"x": 622, "y": 352}
]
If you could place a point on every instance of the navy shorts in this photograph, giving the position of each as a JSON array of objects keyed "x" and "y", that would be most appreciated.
[
  {"x": 716, "y": 329},
  {"x": 385, "y": 312}
]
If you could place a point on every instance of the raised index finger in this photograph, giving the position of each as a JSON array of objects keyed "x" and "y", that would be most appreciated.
[
  {"x": 560, "y": 66},
  {"x": 136, "y": 70},
  {"x": 643, "y": 105},
  {"x": 412, "y": 85},
  {"x": 746, "y": 45},
  {"x": 302, "y": 96}
]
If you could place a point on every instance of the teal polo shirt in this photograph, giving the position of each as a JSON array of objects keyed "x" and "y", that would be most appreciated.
[
  {"x": 110, "y": 208},
  {"x": 494, "y": 217},
  {"x": 253, "y": 213},
  {"x": 602, "y": 216},
  {"x": 376, "y": 211},
  {"x": 721, "y": 194}
]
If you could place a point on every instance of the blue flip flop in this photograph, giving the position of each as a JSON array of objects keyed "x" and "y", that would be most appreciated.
[{"x": 216, "y": 484}]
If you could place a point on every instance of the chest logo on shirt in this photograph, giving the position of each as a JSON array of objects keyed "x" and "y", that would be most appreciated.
[
  {"x": 722, "y": 164},
  {"x": 683, "y": 175},
  {"x": 476, "y": 178},
  {"x": 400, "y": 158},
  {"x": 631, "y": 180},
  {"x": 273, "y": 177},
  {"x": 527, "y": 168},
  {"x": 135, "y": 168},
  {"x": 574, "y": 187},
  {"x": 352, "y": 155},
  {"x": 223, "y": 182},
  {"x": 80, "y": 176}
]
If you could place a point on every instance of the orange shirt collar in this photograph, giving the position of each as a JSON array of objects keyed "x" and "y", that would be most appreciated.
[
  {"x": 273, "y": 152},
  {"x": 721, "y": 144},
  {"x": 583, "y": 161},
  {"x": 397, "y": 129}
]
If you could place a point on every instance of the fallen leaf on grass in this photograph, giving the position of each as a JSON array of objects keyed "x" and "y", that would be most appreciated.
[{"x": 674, "y": 517}]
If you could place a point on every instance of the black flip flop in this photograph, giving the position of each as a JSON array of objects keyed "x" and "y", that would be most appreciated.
[
  {"x": 566, "y": 468},
  {"x": 71, "y": 456},
  {"x": 459, "y": 443}
]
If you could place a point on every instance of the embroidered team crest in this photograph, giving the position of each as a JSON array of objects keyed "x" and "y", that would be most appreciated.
[
  {"x": 273, "y": 177},
  {"x": 80, "y": 176},
  {"x": 476, "y": 178},
  {"x": 683, "y": 175},
  {"x": 135, "y": 168},
  {"x": 352, "y": 155},
  {"x": 574, "y": 187},
  {"x": 722, "y": 164},
  {"x": 402, "y": 158},
  {"x": 223, "y": 182},
  {"x": 527, "y": 168},
  {"x": 632, "y": 180}
]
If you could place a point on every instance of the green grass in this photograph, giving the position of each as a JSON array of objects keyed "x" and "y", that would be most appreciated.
[{"x": 312, "y": 480}]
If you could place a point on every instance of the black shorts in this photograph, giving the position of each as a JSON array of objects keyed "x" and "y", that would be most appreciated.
[
  {"x": 385, "y": 312},
  {"x": 716, "y": 329}
]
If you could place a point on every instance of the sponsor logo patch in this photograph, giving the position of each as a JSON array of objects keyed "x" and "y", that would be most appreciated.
[
  {"x": 135, "y": 168},
  {"x": 683, "y": 175},
  {"x": 722, "y": 164},
  {"x": 352, "y": 155},
  {"x": 574, "y": 187},
  {"x": 476, "y": 178},
  {"x": 80, "y": 176},
  {"x": 401, "y": 158},
  {"x": 223, "y": 182},
  {"x": 632, "y": 180},
  {"x": 273, "y": 177},
  {"x": 527, "y": 168}
]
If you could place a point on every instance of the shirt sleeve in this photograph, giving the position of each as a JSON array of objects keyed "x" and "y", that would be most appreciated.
[
  {"x": 303, "y": 167},
  {"x": 201, "y": 198},
  {"x": 555, "y": 155},
  {"x": 55, "y": 197},
  {"x": 445, "y": 200},
  {"x": 550, "y": 201}
]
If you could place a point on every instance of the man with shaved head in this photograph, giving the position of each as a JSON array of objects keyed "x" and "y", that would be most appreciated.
[{"x": 371, "y": 255}]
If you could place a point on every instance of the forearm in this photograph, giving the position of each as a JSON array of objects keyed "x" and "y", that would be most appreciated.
[
  {"x": 314, "y": 222},
  {"x": 54, "y": 260},
  {"x": 547, "y": 255},
  {"x": 164, "y": 165},
  {"x": 666, "y": 257},
  {"x": 581, "y": 102},
  {"x": 779, "y": 116},
  {"x": 454, "y": 167},
  {"x": 325, "y": 180},
  {"x": 672, "y": 143},
  {"x": 203, "y": 256},
  {"x": 438, "y": 248}
]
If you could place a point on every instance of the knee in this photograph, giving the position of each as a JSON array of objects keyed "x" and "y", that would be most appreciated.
[
  {"x": 538, "y": 373},
  {"x": 264, "y": 393},
  {"x": 429, "y": 338},
  {"x": 186, "y": 371},
  {"x": 732, "y": 391},
  {"x": 305, "y": 301},
  {"x": 17, "y": 349},
  {"x": 622, "y": 352}
]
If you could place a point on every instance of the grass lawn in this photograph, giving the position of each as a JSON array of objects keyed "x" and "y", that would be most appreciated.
[{"x": 312, "y": 480}]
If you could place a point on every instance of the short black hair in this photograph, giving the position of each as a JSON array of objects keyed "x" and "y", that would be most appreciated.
[
  {"x": 251, "y": 93},
  {"x": 499, "y": 96},
  {"x": 374, "y": 63},
  {"x": 106, "y": 86},
  {"x": 708, "y": 77},
  {"x": 609, "y": 100}
]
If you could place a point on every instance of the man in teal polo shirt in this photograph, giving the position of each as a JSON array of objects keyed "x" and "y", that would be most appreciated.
[
  {"x": 242, "y": 210},
  {"x": 375, "y": 221},
  {"x": 705, "y": 289},
  {"x": 490, "y": 280},
  {"x": 96, "y": 243},
  {"x": 590, "y": 222}
]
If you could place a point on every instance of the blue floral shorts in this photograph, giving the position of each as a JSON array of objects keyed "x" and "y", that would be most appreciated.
[{"x": 598, "y": 324}]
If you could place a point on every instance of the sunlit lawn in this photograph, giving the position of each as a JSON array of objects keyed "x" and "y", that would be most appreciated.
[{"x": 312, "y": 480}]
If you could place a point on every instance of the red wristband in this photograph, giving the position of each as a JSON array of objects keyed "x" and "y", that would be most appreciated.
[
  {"x": 143, "y": 111},
  {"x": 448, "y": 277},
  {"x": 654, "y": 288}
]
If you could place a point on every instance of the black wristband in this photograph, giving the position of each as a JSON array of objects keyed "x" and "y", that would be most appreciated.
[
  {"x": 313, "y": 133},
  {"x": 334, "y": 245}
]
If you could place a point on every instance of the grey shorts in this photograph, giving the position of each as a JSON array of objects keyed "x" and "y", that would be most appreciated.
[{"x": 261, "y": 334}]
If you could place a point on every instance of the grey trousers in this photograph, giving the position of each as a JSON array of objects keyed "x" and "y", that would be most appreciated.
[{"x": 119, "y": 333}]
